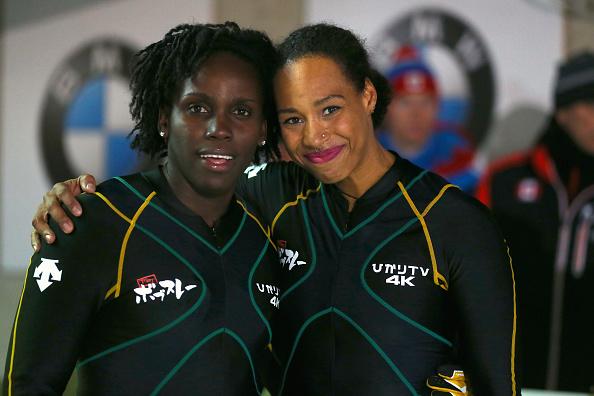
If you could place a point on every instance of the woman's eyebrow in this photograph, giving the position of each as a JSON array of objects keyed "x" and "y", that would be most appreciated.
[{"x": 327, "y": 98}]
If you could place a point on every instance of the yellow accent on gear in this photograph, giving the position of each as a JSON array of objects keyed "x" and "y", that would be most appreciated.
[
  {"x": 513, "y": 343},
  {"x": 266, "y": 230},
  {"x": 438, "y": 278},
  {"x": 16, "y": 322},
  {"x": 293, "y": 203},
  {"x": 117, "y": 287}
]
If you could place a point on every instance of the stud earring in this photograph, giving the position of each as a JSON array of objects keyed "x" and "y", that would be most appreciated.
[
  {"x": 162, "y": 133},
  {"x": 262, "y": 143}
]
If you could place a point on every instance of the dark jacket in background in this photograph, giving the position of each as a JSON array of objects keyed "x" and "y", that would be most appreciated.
[{"x": 543, "y": 200}]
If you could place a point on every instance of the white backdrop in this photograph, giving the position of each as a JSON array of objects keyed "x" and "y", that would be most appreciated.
[{"x": 30, "y": 55}]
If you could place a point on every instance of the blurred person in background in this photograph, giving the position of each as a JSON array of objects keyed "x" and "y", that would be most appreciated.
[
  {"x": 412, "y": 127},
  {"x": 544, "y": 201}
]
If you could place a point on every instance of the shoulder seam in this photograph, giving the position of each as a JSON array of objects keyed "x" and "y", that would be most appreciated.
[
  {"x": 112, "y": 206},
  {"x": 115, "y": 290},
  {"x": 303, "y": 196},
  {"x": 437, "y": 198},
  {"x": 265, "y": 230}
]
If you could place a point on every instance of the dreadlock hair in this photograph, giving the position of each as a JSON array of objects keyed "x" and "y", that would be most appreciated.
[
  {"x": 344, "y": 48},
  {"x": 160, "y": 69}
]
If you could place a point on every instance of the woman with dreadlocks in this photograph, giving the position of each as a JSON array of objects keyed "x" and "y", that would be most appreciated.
[{"x": 177, "y": 292}]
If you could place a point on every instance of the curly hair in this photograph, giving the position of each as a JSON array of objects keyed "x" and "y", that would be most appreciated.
[
  {"x": 344, "y": 48},
  {"x": 160, "y": 69}
]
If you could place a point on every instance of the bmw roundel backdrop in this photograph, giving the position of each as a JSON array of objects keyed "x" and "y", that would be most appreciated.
[
  {"x": 84, "y": 119},
  {"x": 64, "y": 82},
  {"x": 65, "y": 102}
]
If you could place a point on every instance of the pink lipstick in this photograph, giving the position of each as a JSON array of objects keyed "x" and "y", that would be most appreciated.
[{"x": 320, "y": 157}]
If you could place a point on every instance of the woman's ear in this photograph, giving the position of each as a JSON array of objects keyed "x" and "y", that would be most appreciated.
[
  {"x": 369, "y": 96},
  {"x": 163, "y": 124},
  {"x": 263, "y": 134}
]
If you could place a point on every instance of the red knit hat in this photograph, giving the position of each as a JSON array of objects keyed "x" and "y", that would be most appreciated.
[{"x": 410, "y": 75}]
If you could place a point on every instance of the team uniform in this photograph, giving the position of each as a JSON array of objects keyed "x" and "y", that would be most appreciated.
[
  {"x": 544, "y": 201},
  {"x": 374, "y": 300},
  {"x": 145, "y": 298}
]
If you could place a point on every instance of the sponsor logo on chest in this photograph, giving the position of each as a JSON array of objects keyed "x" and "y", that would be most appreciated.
[
  {"x": 289, "y": 258},
  {"x": 151, "y": 289},
  {"x": 400, "y": 274},
  {"x": 272, "y": 290}
]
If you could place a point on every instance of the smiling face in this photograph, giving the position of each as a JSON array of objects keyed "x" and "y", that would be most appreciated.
[
  {"x": 325, "y": 121},
  {"x": 213, "y": 127}
]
